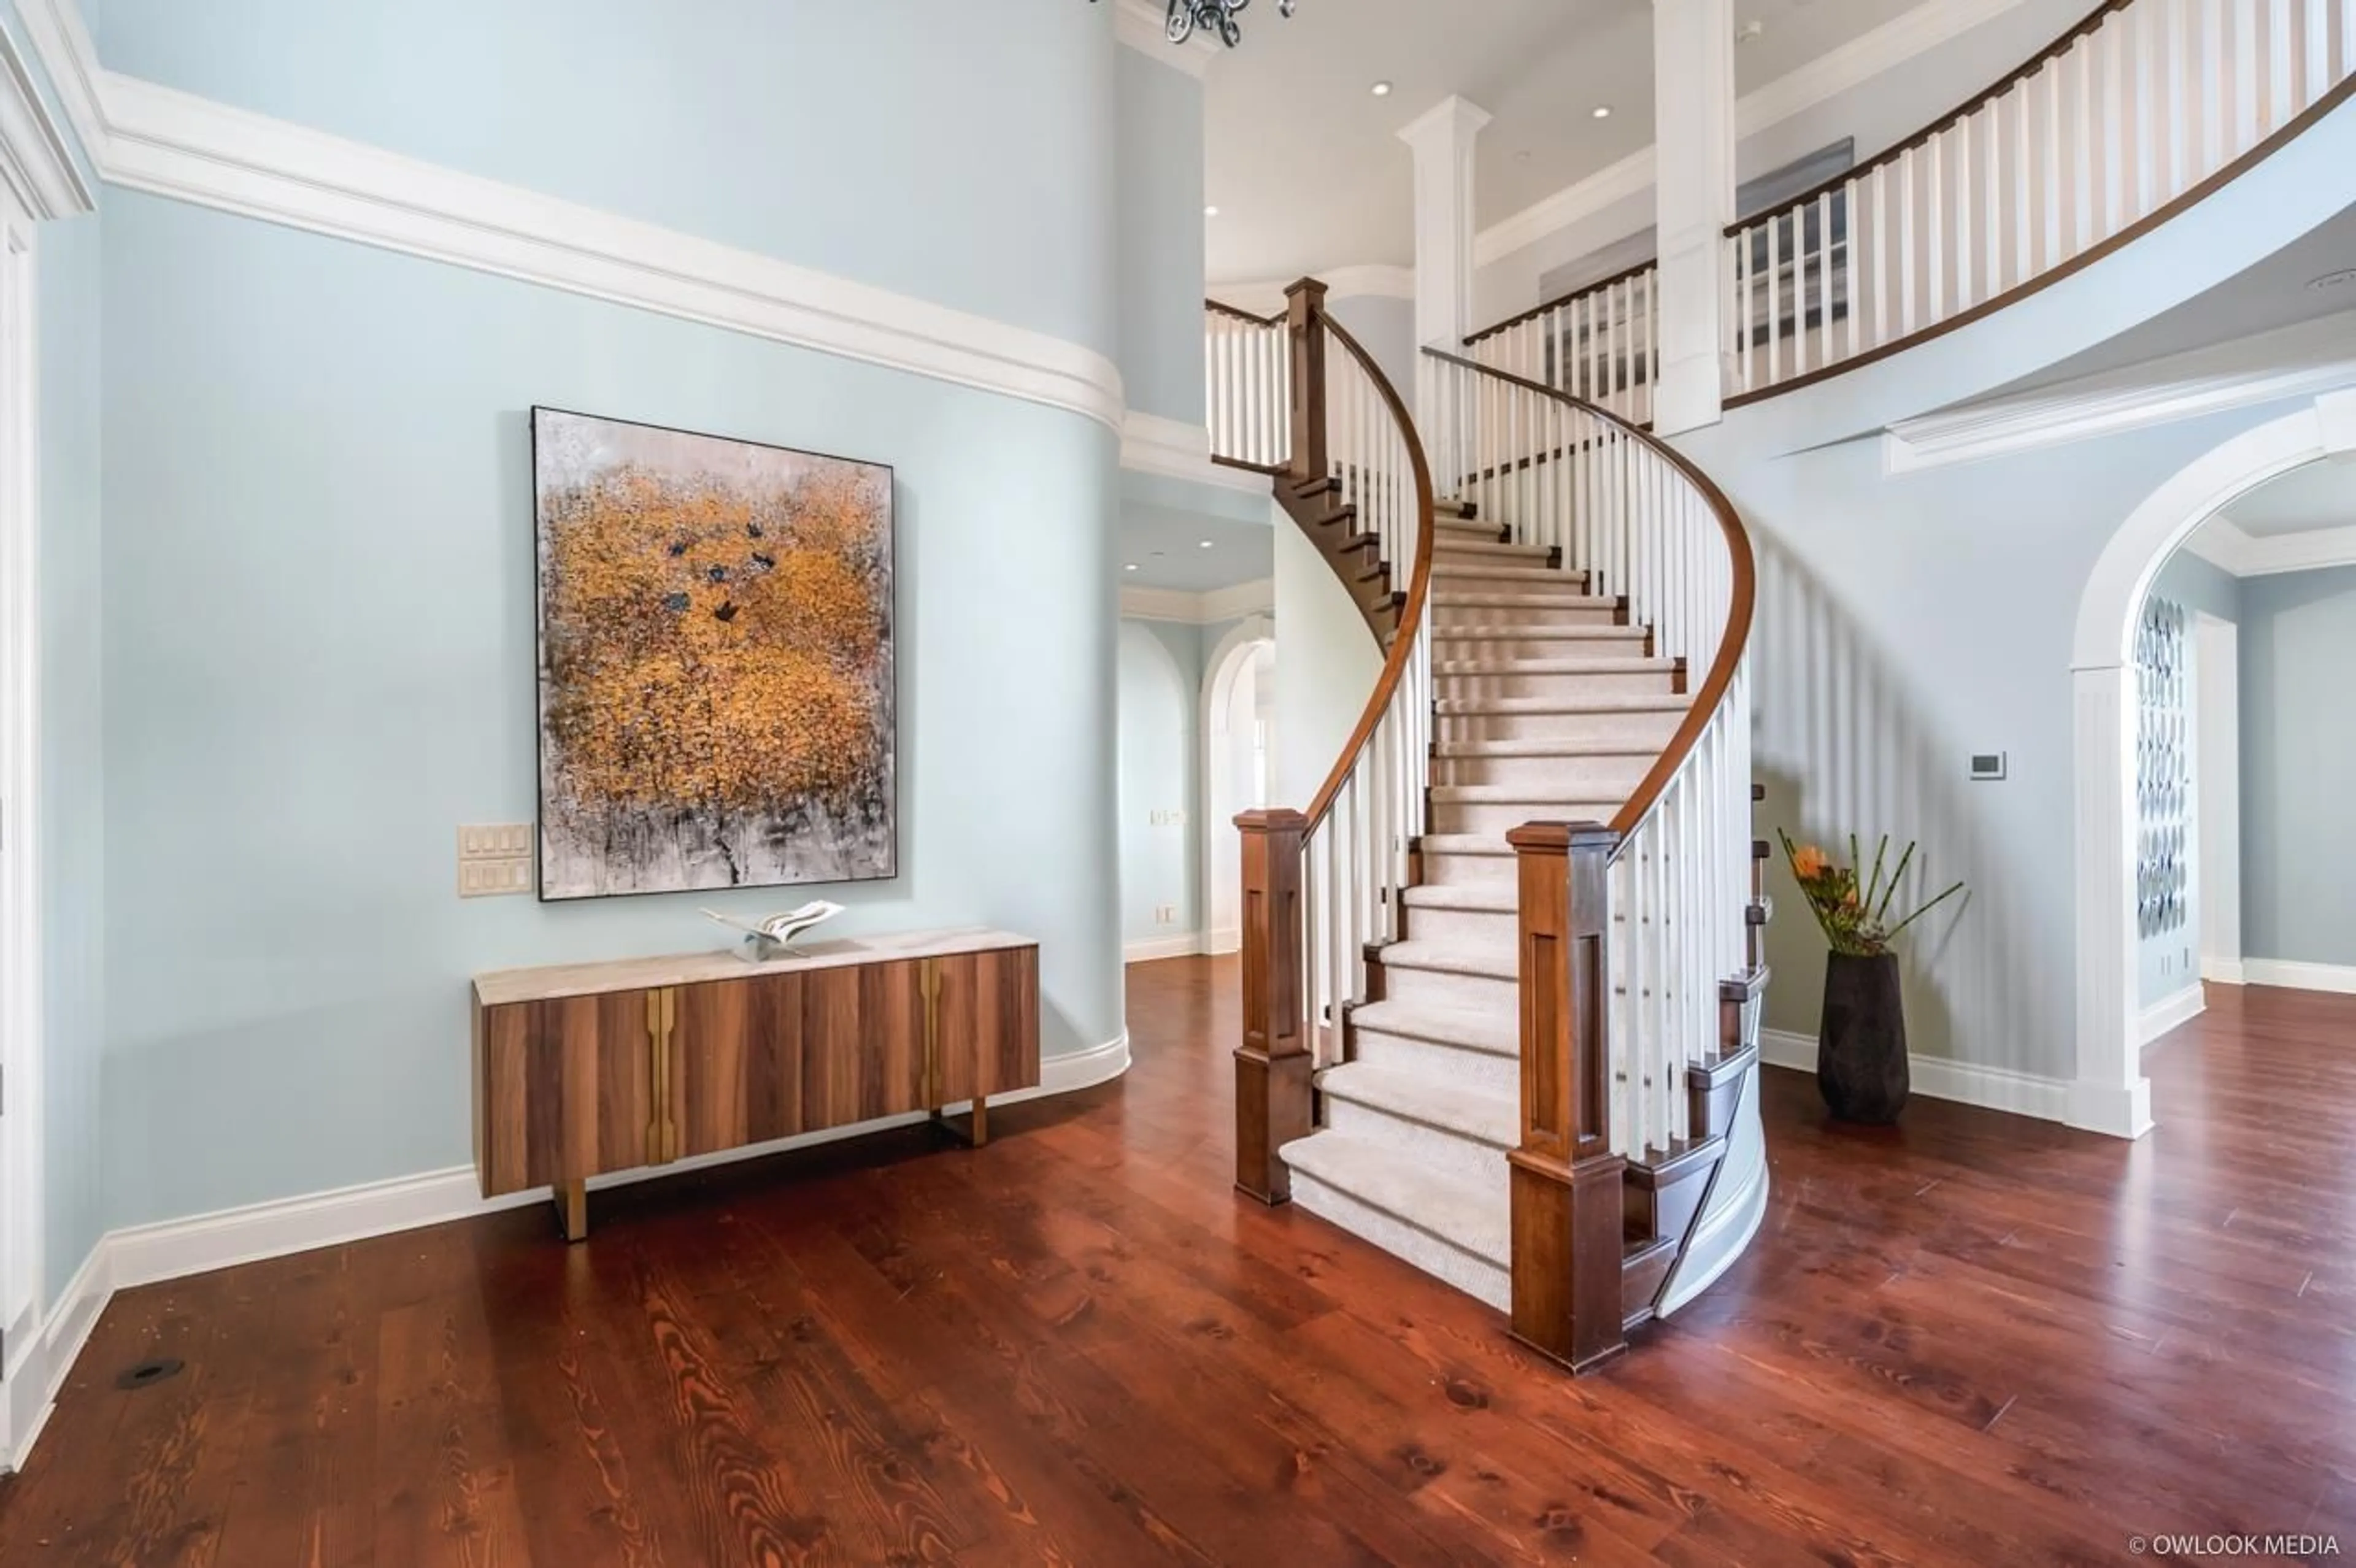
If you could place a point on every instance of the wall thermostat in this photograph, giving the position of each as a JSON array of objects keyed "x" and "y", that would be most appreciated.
[{"x": 1987, "y": 765}]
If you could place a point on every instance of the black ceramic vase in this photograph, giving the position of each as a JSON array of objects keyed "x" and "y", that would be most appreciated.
[{"x": 1861, "y": 1045}]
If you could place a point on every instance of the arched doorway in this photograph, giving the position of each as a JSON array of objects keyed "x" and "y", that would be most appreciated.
[
  {"x": 1238, "y": 734},
  {"x": 2109, "y": 1093}
]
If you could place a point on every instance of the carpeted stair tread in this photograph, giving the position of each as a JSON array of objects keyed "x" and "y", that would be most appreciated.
[
  {"x": 1545, "y": 746},
  {"x": 1451, "y": 958},
  {"x": 1481, "y": 1115},
  {"x": 1608, "y": 663},
  {"x": 1494, "y": 1033},
  {"x": 1607, "y": 702}
]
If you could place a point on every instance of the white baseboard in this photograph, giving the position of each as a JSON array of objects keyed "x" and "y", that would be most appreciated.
[
  {"x": 2336, "y": 977},
  {"x": 1936, "y": 1077},
  {"x": 2224, "y": 971},
  {"x": 1220, "y": 941},
  {"x": 2170, "y": 1012},
  {"x": 1186, "y": 946},
  {"x": 174, "y": 1249}
]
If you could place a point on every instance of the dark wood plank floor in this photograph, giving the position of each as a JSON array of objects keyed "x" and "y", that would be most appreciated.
[{"x": 1969, "y": 1340}]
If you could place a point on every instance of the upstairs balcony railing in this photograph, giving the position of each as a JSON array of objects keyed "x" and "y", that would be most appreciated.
[{"x": 2141, "y": 109}]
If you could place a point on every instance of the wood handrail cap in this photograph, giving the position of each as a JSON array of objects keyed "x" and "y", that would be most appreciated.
[
  {"x": 1541, "y": 837},
  {"x": 1271, "y": 819}
]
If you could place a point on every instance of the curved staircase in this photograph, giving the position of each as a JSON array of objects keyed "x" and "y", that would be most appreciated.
[{"x": 1410, "y": 1073}]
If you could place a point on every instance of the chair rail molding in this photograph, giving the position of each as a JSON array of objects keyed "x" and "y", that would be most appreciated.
[
  {"x": 156, "y": 139},
  {"x": 1904, "y": 37},
  {"x": 1174, "y": 449}
]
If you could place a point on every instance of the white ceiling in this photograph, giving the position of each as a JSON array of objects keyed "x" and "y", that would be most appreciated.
[
  {"x": 1167, "y": 547},
  {"x": 1305, "y": 164},
  {"x": 2306, "y": 500}
]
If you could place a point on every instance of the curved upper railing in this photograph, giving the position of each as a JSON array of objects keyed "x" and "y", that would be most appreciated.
[
  {"x": 1649, "y": 527},
  {"x": 2141, "y": 109}
]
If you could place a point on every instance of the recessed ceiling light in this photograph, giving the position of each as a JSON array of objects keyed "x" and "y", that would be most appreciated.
[
  {"x": 1129, "y": 565},
  {"x": 1210, "y": 212},
  {"x": 1207, "y": 544},
  {"x": 1601, "y": 112},
  {"x": 1382, "y": 90},
  {"x": 2338, "y": 280}
]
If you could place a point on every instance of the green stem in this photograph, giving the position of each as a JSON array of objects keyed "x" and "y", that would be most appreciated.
[
  {"x": 1865, "y": 900},
  {"x": 1895, "y": 877},
  {"x": 1927, "y": 909}
]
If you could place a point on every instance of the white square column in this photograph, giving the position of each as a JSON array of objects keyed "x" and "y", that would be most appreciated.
[
  {"x": 1443, "y": 141},
  {"x": 1693, "y": 137}
]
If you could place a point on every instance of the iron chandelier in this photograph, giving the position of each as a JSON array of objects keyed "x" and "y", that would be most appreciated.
[{"x": 1213, "y": 17}]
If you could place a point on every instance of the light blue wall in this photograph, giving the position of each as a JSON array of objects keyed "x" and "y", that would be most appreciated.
[
  {"x": 1905, "y": 623},
  {"x": 1385, "y": 328},
  {"x": 1161, "y": 770},
  {"x": 962, "y": 154},
  {"x": 318, "y": 616},
  {"x": 73, "y": 835},
  {"x": 2298, "y": 767},
  {"x": 1161, "y": 242}
]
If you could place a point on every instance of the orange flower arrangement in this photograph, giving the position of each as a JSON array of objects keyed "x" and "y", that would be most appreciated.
[{"x": 1854, "y": 920}]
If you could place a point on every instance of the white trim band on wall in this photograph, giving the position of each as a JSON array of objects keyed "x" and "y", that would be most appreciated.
[{"x": 156, "y": 139}]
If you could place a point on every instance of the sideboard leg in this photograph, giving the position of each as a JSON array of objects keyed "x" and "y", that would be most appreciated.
[
  {"x": 572, "y": 1210},
  {"x": 976, "y": 1131},
  {"x": 980, "y": 1121}
]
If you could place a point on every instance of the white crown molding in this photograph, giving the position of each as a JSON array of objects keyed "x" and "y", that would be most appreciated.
[
  {"x": 169, "y": 143},
  {"x": 1174, "y": 449},
  {"x": 2302, "y": 360},
  {"x": 1367, "y": 281},
  {"x": 2222, "y": 544},
  {"x": 1886, "y": 47},
  {"x": 34, "y": 157},
  {"x": 1255, "y": 598},
  {"x": 1938, "y": 1078},
  {"x": 148, "y": 1254},
  {"x": 1141, "y": 25}
]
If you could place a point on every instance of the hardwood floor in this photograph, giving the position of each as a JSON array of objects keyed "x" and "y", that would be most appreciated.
[{"x": 1970, "y": 1338}]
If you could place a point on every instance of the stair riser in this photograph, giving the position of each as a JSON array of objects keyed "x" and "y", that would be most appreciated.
[
  {"x": 1468, "y": 870},
  {"x": 1440, "y": 988},
  {"x": 1476, "y": 1276},
  {"x": 1618, "y": 645},
  {"x": 1454, "y": 1064},
  {"x": 1493, "y": 930},
  {"x": 1462, "y": 553},
  {"x": 1497, "y": 819},
  {"x": 1564, "y": 687},
  {"x": 1648, "y": 732},
  {"x": 1532, "y": 582},
  {"x": 1571, "y": 612},
  {"x": 1591, "y": 778}
]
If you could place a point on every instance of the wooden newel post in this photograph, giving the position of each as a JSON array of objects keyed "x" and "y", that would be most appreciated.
[
  {"x": 1304, "y": 315},
  {"x": 1567, "y": 1198},
  {"x": 1273, "y": 1063}
]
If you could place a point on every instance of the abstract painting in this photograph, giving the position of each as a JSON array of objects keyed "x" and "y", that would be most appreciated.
[{"x": 716, "y": 695}]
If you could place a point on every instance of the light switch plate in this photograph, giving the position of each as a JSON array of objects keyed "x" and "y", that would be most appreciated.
[{"x": 493, "y": 859}]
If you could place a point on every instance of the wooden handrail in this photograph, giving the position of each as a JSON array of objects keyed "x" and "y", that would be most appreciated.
[
  {"x": 1896, "y": 150},
  {"x": 1536, "y": 311},
  {"x": 1741, "y": 601},
  {"x": 1419, "y": 584},
  {"x": 1218, "y": 307}
]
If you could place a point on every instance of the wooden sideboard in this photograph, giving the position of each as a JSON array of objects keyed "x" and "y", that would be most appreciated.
[{"x": 584, "y": 1069}]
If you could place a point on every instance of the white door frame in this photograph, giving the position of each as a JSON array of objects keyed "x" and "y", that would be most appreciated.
[
  {"x": 2109, "y": 1093},
  {"x": 1226, "y": 662},
  {"x": 2217, "y": 794},
  {"x": 39, "y": 181}
]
